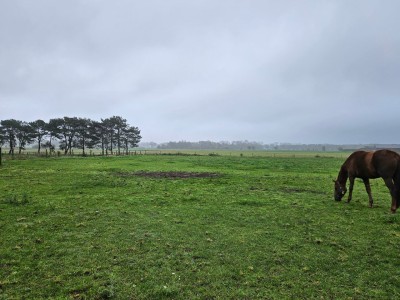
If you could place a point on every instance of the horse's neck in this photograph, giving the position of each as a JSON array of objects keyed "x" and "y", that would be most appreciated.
[{"x": 343, "y": 175}]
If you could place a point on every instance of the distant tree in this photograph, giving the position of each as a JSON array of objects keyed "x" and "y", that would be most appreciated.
[
  {"x": 70, "y": 132},
  {"x": 24, "y": 135},
  {"x": 48, "y": 145},
  {"x": 65, "y": 129},
  {"x": 150, "y": 145},
  {"x": 71, "y": 128},
  {"x": 40, "y": 131},
  {"x": 97, "y": 136},
  {"x": 109, "y": 135},
  {"x": 2, "y": 140},
  {"x": 115, "y": 127},
  {"x": 2, "y": 136},
  {"x": 83, "y": 133},
  {"x": 54, "y": 132},
  {"x": 209, "y": 145},
  {"x": 9, "y": 128},
  {"x": 130, "y": 137}
]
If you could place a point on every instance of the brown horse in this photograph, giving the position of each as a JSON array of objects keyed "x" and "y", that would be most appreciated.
[{"x": 370, "y": 165}]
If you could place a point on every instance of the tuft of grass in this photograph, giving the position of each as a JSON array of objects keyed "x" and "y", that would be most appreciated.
[{"x": 16, "y": 200}]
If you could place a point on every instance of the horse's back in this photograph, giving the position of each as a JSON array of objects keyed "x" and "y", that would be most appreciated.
[
  {"x": 373, "y": 164},
  {"x": 386, "y": 162},
  {"x": 359, "y": 164},
  {"x": 386, "y": 157}
]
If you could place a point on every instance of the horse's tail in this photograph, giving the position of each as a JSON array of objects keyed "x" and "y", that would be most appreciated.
[
  {"x": 396, "y": 181},
  {"x": 396, "y": 177}
]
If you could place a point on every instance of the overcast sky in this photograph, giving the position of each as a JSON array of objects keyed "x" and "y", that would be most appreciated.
[{"x": 259, "y": 70}]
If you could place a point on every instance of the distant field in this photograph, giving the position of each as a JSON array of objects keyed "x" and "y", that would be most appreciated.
[
  {"x": 247, "y": 153},
  {"x": 223, "y": 225}
]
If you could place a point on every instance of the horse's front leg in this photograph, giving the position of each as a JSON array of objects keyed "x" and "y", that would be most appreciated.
[
  {"x": 351, "y": 179},
  {"x": 368, "y": 189}
]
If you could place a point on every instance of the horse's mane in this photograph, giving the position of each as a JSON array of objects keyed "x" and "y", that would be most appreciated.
[{"x": 343, "y": 173}]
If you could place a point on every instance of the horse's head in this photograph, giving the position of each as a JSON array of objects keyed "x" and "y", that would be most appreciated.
[{"x": 340, "y": 190}]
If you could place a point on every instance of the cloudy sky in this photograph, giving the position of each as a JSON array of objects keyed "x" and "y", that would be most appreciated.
[{"x": 260, "y": 70}]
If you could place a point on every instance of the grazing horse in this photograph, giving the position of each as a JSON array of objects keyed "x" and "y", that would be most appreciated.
[{"x": 383, "y": 164}]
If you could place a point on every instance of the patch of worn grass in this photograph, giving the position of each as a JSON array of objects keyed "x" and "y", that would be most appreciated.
[{"x": 264, "y": 228}]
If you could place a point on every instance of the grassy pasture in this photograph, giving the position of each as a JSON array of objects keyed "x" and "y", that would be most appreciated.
[{"x": 192, "y": 227}]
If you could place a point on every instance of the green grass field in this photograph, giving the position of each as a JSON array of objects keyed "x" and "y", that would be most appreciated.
[{"x": 192, "y": 227}]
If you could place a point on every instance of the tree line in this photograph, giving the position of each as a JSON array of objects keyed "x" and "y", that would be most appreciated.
[
  {"x": 112, "y": 135},
  {"x": 209, "y": 145}
]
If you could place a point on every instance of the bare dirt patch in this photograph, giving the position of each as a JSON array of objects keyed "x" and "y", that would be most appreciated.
[{"x": 170, "y": 174}]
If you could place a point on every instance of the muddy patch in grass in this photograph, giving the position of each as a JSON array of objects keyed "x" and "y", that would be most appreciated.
[
  {"x": 170, "y": 174},
  {"x": 251, "y": 203}
]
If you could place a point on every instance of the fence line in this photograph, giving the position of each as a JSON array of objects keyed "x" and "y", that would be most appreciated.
[{"x": 237, "y": 153}]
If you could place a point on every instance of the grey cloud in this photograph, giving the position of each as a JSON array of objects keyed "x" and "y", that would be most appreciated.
[{"x": 288, "y": 71}]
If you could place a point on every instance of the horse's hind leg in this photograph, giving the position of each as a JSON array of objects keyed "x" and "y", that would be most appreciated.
[
  {"x": 396, "y": 181},
  {"x": 393, "y": 192},
  {"x": 368, "y": 189}
]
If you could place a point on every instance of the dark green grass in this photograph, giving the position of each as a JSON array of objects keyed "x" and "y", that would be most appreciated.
[{"x": 265, "y": 228}]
